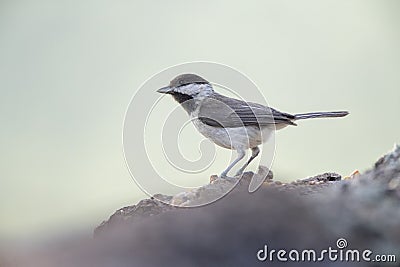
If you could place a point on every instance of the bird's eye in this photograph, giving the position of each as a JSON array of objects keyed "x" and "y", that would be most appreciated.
[{"x": 180, "y": 82}]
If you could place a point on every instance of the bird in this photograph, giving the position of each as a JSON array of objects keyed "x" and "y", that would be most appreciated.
[{"x": 232, "y": 123}]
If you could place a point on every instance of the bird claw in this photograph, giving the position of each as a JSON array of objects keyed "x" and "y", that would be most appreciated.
[
  {"x": 239, "y": 173},
  {"x": 223, "y": 175}
]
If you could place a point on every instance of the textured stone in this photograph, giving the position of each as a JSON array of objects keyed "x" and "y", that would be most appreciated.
[{"x": 307, "y": 213}]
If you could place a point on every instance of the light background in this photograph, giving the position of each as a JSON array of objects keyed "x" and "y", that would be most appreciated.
[{"x": 68, "y": 70}]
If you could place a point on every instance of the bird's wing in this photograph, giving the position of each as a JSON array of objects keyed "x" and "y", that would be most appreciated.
[{"x": 221, "y": 111}]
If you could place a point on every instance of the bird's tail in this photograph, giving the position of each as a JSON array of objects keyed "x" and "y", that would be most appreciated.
[{"x": 329, "y": 114}]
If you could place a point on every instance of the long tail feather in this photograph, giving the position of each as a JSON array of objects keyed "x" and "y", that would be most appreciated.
[{"x": 329, "y": 114}]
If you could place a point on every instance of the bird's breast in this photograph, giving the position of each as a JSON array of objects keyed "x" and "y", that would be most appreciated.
[{"x": 233, "y": 138}]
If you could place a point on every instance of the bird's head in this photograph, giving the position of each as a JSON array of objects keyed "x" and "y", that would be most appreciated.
[{"x": 186, "y": 87}]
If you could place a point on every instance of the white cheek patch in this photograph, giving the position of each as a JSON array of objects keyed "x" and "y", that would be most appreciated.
[
  {"x": 189, "y": 89},
  {"x": 201, "y": 90},
  {"x": 205, "y": 90}
]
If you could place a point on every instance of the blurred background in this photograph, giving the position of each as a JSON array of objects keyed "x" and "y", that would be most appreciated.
[{"x": 68, "y": 70}]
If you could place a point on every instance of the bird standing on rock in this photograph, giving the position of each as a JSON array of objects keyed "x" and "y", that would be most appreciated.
[{"x": 232, "y": 123}]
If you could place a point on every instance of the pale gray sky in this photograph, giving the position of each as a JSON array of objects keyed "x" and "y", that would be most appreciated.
[{"x": 68, "y": 70}]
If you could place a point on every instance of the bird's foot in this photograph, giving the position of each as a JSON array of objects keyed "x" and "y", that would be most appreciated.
[
  {"x": 239, "y": 172},
  {"x": 223, "y": 175}
]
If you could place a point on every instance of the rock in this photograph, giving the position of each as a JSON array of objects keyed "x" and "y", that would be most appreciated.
[
  {"x": 218, "y": 187},
  {"x": 312, "y": 213},
  {"x": 145, "y": 208}
]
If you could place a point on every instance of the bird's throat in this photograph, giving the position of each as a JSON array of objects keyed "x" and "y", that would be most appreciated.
[
  {"x": 185, "y": 100},
  {"x": 181, "y": 98}
]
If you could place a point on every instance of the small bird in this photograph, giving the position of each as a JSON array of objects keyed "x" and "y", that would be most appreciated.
[{"x": 232, "y": 123}]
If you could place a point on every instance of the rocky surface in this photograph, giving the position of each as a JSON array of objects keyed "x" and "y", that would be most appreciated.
[
  {"x": 217, "y": 187},
  {"x": 315, "y": 212},
  {"x": 312, "y": 213}
]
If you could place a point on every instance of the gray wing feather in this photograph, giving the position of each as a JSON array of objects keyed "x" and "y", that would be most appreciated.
[{"x": 221, "y": 111}]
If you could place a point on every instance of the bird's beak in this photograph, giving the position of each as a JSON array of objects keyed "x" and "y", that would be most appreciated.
[{"x": 165, "y": 90}]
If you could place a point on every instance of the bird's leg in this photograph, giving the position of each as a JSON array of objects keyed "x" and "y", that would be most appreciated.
[
  {"x": 241, "y": 154},
  {"x": 254, "y": 153}
]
